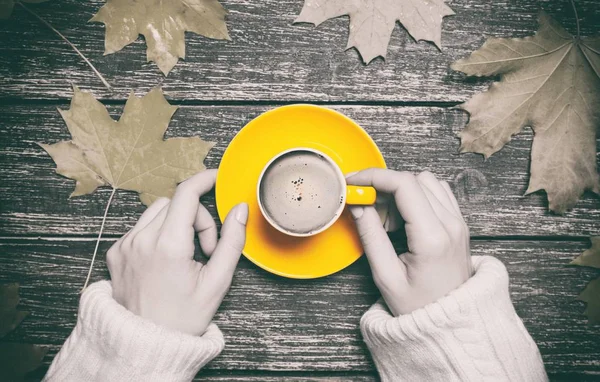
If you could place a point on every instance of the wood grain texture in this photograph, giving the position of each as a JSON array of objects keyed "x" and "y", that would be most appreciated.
[
  {"x": 272, "y": 377},
  {"x": 411, "y": 138},
  {"x": 276, "y": 324},
  {"x": 268, "y": 57},
  {"x": 353, "y": 378},
  {"x": 266, "y": 378}
]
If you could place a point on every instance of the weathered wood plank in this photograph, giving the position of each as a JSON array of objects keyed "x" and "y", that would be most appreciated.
[
  {"x": 267, "y": 378},
  {"x": 277, "y": 324},
  {"x": 411, "y": 138},
  {"x": 264, "y": 377},
  {"x": 268, "y": 57}
]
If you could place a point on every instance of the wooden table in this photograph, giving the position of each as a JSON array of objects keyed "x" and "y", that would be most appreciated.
[{"x": 277, "y": 328}]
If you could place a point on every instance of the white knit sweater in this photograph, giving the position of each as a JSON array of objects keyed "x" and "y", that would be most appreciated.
[{"x": 472, "y": 334}]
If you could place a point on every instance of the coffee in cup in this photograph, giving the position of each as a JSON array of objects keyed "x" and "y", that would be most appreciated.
[{"x": 302, "y": 192}]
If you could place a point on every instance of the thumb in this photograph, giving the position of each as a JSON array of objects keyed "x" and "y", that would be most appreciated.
[
  {"x": 224, "y": 259},
  {"x": 389, "y": 273}
]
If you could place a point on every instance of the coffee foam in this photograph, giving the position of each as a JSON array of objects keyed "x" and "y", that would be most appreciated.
[{"x": 301, "y": 192}]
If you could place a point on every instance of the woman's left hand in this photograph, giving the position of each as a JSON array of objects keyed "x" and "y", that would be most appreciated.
[{"x": 153, "y": 271}]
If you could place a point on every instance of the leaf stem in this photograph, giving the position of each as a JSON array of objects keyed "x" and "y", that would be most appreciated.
[
  {"x": 576, "y": 17},
  {"x": 68, "y": 42},
  {"x": 87, "y": 280}
]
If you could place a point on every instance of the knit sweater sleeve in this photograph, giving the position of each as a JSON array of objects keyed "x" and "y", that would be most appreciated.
[
  {"x": 109, "y": 343},
  {"x": 471, "y": 334}
]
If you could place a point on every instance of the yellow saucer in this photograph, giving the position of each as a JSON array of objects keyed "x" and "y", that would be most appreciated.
[{"x": 260, "y": 140}]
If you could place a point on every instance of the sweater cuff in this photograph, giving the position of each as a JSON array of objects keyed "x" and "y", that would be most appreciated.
[
  {"x": 472, "y": 333},
  {"x": 130, "y": 345}
]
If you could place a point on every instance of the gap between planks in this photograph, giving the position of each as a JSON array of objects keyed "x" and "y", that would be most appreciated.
[{"x": 192, "y": 102}]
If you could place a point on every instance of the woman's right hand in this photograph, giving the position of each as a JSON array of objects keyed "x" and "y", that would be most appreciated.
[{"x": 438, "y": 258}]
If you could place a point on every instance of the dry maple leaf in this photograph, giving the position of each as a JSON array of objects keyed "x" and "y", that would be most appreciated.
[
  {"x": 372, "y": 21},
  {"x": 162, "y": 23},
  {"x": 10, "y": 317},
  {"x": 16, "y": 359},
  {"x": 590, "y": 257},
  {"x": 128, "y": 154},
  {"x": 591, "y": 293},
  {"x": 6, "y": 6},
  {"x": 551, "y": 82},
  {"x": 590, "y": 297}
]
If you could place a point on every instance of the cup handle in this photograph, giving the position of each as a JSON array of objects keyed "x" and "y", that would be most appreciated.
[{"x": 360, "y": 195}]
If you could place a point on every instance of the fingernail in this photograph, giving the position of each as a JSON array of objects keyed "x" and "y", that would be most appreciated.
[
  {"x": 241, "y": 213},
  {"x": 357, "y": 212},
  {"x": 348, "y": 175}
]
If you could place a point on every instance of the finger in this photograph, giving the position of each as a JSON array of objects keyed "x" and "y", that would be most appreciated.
[
  {"x": 179, "y": 222},
  {"x": 206, "y": 229},
  {"x": 408, "y": 194},
  {"x": 451, "y": 196},
  {"x": 147, "y": 217},
  {"x": 429, "y": 180},
  {"x": 440, "y": 210},
  {"x": 467, "y": 238},
  {"x": 204, "y": 226},
  {"x": 150, "y": 214},
  {"x": 453, "y": 225},
  {"x": 393, "y": 221},
  {"x": 389, "y": 273},
  {"x": 226, "y": 255}
]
